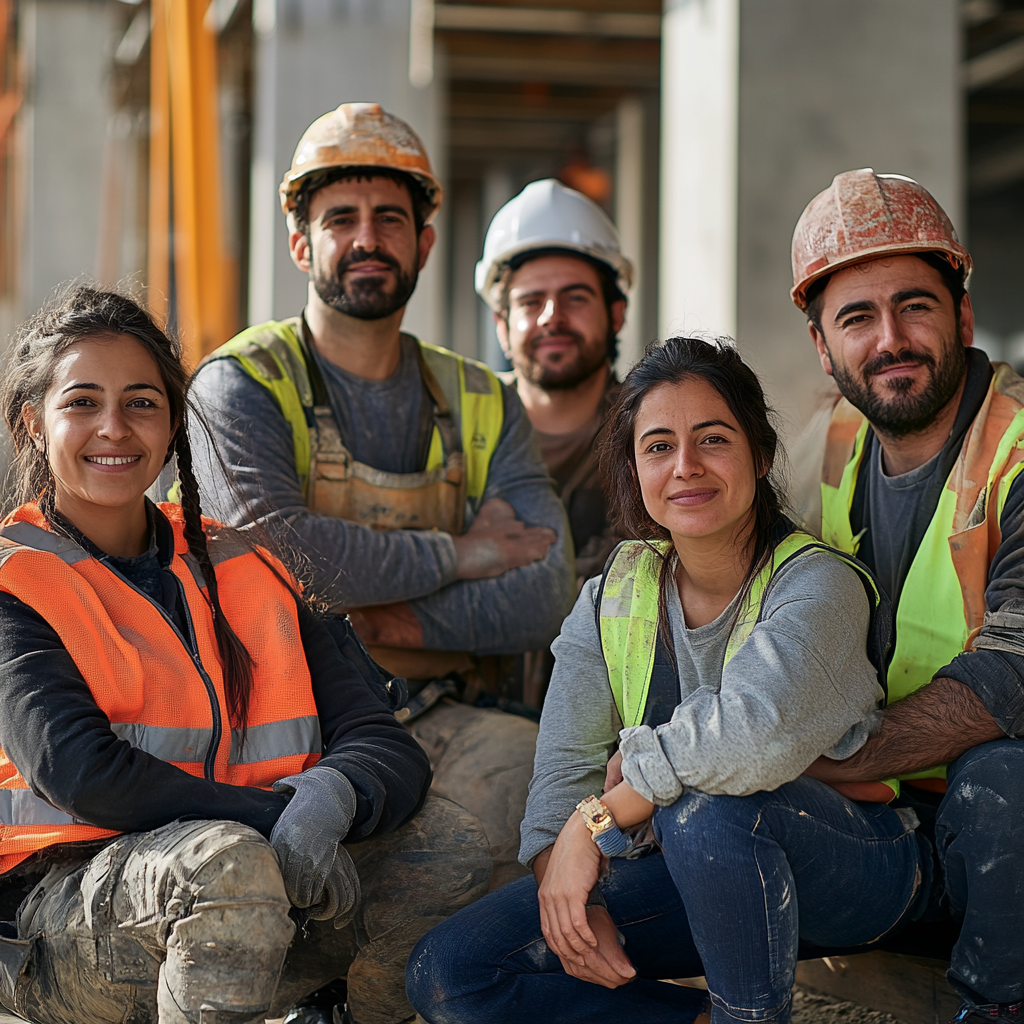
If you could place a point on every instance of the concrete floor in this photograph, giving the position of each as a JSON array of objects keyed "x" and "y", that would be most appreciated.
[{"x": 808, "y": 1008}]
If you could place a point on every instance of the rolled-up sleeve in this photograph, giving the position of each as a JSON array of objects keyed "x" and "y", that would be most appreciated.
[{"x": 799, "y": 687}]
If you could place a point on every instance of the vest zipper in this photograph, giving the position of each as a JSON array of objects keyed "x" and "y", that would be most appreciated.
[{"x": 210, "y": 761}]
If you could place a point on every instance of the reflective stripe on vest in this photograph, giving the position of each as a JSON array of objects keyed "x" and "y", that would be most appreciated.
[
  {"x": 23, "y": 807},
  {"x": 160, "y": 696},
  {"x": 942, "y": 604},
  {"x": 628, "y": 612},
  {"x": 272, "y": 354}
]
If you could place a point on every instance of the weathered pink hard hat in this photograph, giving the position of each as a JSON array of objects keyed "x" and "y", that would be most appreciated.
[{"x": 864, "y": 216}]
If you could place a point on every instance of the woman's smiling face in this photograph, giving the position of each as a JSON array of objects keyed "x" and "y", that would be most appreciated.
[
  {"x": 105, "y": 424},
  {"x": 693, "y": 461}
]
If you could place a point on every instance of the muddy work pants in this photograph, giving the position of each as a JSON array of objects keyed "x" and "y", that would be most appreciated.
[
  {"x": 482, "y": 760},
  {"x": 190, "y": 924}
]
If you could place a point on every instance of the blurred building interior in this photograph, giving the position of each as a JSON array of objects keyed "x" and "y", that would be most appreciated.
[{"x": 143, "y": 141}]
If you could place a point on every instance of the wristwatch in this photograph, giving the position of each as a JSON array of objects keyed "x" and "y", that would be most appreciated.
[{"x": 610, "y": 839}]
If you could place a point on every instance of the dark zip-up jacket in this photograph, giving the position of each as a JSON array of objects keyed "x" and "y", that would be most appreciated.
[{"x": 62, "y": 744}]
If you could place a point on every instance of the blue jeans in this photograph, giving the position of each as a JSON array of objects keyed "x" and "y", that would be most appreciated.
[
  {"x": 742, "y": 879},
  {"x": 977, "y": 839}
]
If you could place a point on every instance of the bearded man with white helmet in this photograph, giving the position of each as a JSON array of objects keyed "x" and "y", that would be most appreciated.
[
  {"x": 404, "y": 475},
  {"x": 555, "y": 277},
  {"x": 921, "y": 478}
]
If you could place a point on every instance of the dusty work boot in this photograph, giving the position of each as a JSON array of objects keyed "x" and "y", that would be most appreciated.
[{"x": 990, "y": 1013}]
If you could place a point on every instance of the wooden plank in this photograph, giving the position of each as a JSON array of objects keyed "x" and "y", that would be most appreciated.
[{"x": 909, "y": 988}]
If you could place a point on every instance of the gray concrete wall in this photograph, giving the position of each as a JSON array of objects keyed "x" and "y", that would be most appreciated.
[
  {"x": 67, "y": 46},
  {"x": 997, "y": 225},
  {"x": 826, "y": 86},
  {"x": 311, "y": 56}
]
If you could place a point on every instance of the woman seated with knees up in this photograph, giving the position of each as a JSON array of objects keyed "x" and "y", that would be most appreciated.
[
  {"x": 160, "y": 677},
  {"x": 721, "y": 652}
]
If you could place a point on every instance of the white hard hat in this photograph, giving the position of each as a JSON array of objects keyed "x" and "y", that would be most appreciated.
[{"x": 547, "y": 215}]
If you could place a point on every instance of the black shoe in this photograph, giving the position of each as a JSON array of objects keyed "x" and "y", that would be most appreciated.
[
  {"x": 310, "y": 1015},
  {"x": 990, "y": 1013},
  {"x": 319, "y": 1006}
]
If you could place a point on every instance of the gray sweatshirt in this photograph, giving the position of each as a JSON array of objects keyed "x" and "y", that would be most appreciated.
[
  {"x": 801, "y": 686},
  {"x": 351, "y": 566}
]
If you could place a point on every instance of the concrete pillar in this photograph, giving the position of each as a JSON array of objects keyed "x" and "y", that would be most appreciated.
[
  {"x": 66, "y": 45},
  {"x": 498, "y": 188},
  {"x": 465, "y": 210},
  {"x": 312, "y": 55},
  {"x": 764, "y": 101},
  {"x": 630, "y": 153},
  {"x": 699, "y": 61}
]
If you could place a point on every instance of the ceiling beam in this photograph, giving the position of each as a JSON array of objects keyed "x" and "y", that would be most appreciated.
[
  {"x": 550, "y": 69},
  {"x": 998, "y": 167},
  {"x": 543, "y": 21},
  {"x": 994, "y": 65}
]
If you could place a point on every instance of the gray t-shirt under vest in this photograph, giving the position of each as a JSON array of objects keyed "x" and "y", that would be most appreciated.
[{"x": 801, "y": 686}]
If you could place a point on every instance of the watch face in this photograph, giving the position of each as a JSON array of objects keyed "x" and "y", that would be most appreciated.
[{"x": 595, "y": 815}]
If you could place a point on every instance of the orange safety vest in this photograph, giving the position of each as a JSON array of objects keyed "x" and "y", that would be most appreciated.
[{"x": 159, "y": 696}]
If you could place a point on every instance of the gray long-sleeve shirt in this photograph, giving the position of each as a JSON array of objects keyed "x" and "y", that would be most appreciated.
[
  {"x": 351, "y": 566},
  {"x": 801, "y": 686}
]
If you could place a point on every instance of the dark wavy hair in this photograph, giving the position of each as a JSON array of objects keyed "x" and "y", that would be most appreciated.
[
  {"x": 672, "y": 362},
  {"x": 79, "y": 312}
]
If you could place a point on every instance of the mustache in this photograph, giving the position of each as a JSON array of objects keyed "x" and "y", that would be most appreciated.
[
  {"x": 886, "y": 360},
  {"x": 361, "y": 256},
  {"x": 542, "y": 336}
]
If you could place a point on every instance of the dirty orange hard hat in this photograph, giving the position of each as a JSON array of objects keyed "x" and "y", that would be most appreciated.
[
  {"x": 359, "y": 135},
  {"x": 864, "y": 216}
]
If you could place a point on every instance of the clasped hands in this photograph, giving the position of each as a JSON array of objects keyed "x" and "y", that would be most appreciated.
[{"x": 584, "y": 938}]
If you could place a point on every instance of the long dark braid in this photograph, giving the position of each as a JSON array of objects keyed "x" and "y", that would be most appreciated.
[{"x": 233, "y": 653}]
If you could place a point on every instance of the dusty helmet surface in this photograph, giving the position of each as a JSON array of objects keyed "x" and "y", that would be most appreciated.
[
  {"x": 358, "y": 135},
  {"x": 547, "y": 215},
  {"x": 864, "y": 216}
]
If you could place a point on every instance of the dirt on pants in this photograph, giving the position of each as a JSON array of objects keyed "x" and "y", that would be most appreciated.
[{"x": 190, "y": 924}]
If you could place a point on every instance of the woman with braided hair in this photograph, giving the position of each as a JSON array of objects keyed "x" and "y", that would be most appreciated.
[{"x": 187, "y": 752}]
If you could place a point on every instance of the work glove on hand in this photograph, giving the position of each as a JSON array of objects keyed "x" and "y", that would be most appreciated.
[{"x": 318, "y": 872}]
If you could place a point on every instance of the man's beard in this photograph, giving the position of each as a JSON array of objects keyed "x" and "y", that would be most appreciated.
[
  {"x": 895, "y": 412},
  {"x": 571, "y": 372},
  {"x": 365, "y": 298}
]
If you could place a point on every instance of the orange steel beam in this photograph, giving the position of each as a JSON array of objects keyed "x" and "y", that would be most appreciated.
[
  {"x": 202, "y": 296},
  {"x": 158, "y": 262},
  {"x": 10, "y": 103}
]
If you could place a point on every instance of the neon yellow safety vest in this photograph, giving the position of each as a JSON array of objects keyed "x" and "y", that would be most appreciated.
[
  {"x": 274, "y": 355},
  {"x": 628, "y": 613},
  {"x": 942, "y": 604}
]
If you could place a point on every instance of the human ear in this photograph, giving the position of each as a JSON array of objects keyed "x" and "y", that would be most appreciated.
[
  {"x": 501, "y": 329},
  {"x": 301, "y": 251},
  {"x": 819, "y": 343},
  {"x": 428, "y": 236},
  {"x": 33, "y": 421},
  {"x": 617, "y": 315},
  {"x": 967, "y": 321}
]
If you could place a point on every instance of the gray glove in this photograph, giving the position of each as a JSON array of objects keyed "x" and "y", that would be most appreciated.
[{"x": 318, "y": 873}]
